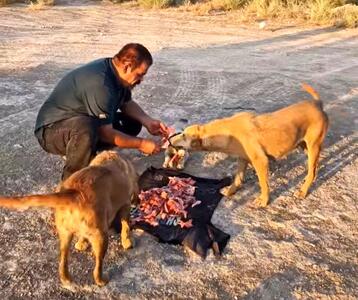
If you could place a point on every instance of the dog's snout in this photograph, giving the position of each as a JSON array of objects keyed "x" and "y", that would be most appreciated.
[{"x": 173, "y": 139}]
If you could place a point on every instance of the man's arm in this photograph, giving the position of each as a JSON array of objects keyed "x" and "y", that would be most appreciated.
[
  {"x": 133, "y": 110},
  {"x": 112, "y": 136},
  {"x": 153, "y": 126}
]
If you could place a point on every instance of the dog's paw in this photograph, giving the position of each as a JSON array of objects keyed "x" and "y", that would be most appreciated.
[
  {"x": 70, "y": 287},
  {"x": 227, "y": 191},
  {"x": 300, "y": 194},
  {"x": 67, "y": 284},
  {"x": 180, "y": 167},
  {"x": 82, "y": 245},
  {"x": 128, "y": 243},
  {"x": 102, "y": 281},
  {"x": 259, "y": 202}
]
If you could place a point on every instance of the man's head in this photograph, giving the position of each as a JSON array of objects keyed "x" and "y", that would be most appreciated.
[{"x": 132, "y": 63}]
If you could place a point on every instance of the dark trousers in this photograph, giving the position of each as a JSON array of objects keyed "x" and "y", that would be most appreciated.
[{"x": 77, "y": 139}]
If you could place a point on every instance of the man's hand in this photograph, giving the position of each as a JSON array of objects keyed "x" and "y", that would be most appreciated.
[
  {"x": 155, "y": 127},
  {"x": 149, "y": 147},
  {"x": 112, "y": 136}
]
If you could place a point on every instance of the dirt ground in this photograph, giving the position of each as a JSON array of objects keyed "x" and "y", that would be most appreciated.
[{"x": 205, "y": 68}]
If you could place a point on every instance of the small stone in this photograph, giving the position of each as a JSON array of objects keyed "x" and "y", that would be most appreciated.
[{"x": 262, "y": 24}]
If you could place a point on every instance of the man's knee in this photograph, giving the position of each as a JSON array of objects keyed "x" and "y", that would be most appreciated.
[
  {"x": 126, "y": 124},
  {"x": 86, "y": 133}
]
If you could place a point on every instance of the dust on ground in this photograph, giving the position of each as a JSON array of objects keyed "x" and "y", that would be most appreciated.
[{"x": 204, "y": 68}]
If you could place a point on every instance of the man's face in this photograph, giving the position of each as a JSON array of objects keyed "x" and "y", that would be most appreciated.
[{"x": 133, "y": 77}]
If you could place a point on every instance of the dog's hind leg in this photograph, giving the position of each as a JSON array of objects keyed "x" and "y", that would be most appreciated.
[
  {"x": 82, "y": 244},
  {"x": 239, "y": 179},
  {"x": 65, "y": 242},
  {"x": 313, "y": 152},
  {"x": 126, "y": 239},
  {"x": 99, "y": 242}
]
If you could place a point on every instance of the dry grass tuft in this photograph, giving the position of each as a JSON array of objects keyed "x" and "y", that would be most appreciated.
[
  {"x": 343, "y": 13},
  {"x": 346, "y": 15},
  {"x": 323, "y": 12},
  {"x": 157, "y": 3},
  {"x": 40, "y": 4},
  {"x": 6, "y": 2},
  {"x": 33, "y": 3}
]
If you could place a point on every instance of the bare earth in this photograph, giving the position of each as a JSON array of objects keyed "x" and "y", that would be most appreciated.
[{"x": 205, "y": 68}]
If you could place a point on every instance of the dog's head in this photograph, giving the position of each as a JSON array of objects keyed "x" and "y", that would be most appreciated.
[
  {"x": 124, "y": 166},
  {"x": 190, "y": 138}
]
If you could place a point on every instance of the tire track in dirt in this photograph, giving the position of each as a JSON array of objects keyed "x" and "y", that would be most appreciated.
[
  {"x": 216, "y": 91},
  {"x": 198, "y": 84},
  {"x": 188, "y": 80}
]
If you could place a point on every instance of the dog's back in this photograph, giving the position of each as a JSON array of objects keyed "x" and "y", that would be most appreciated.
[
  {"x": 281, "y": 131},
  {"x": 107, "y": 185}
]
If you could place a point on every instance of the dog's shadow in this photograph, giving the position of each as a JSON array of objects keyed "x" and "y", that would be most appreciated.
[{"x": 339, "y": 150}]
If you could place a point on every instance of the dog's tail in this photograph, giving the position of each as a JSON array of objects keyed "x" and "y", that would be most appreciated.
[
  {"x": 55, "y": 200},
  {"x": 311, "y": 91}
]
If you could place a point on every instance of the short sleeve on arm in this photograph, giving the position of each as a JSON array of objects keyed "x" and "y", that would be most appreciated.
[
  {"x": 127, "y": 96},
  {"x": 101, "y": 104}
]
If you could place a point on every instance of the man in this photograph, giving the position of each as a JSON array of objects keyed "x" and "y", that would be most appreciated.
[{"x": 82, "y": 111}]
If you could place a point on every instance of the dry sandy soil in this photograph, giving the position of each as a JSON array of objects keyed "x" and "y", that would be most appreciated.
[{"x": 204, "y": 68}]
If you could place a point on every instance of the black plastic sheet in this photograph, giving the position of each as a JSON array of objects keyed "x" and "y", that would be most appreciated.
[{"x": 203, "y": 235}]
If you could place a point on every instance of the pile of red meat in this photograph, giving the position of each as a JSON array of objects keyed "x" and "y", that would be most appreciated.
[{"x": 167, "y": 205}]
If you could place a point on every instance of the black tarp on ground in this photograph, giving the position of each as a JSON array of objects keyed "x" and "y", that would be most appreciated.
[{"x": 203, "y": 235}]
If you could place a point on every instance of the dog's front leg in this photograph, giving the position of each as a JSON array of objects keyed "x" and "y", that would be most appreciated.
[
  {"x": 239, "y": 179},
  {"x": 167, "y": 159},
  {"x": 126, "y": 239},
  {"x": 183, "y": 156},
  {"x": 261, "y": 166}
]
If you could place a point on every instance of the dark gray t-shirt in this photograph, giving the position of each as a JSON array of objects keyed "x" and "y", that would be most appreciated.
[{"x": 90, "y": 90}]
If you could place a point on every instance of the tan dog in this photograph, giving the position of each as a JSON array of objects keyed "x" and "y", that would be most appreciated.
[
  {"x": 86, "y": 205},
  {"x": 254, "y": 138}
]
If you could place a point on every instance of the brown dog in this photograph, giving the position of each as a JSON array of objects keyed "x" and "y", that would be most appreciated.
[
  {"x": 85, "y": 206},
  {"x": 254, "y": 138}
]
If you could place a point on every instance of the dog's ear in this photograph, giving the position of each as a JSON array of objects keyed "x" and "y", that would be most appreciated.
[
  {"x": 196, "y": 143},
  {"x": 200, "y": 131},
  {"x": 193, "y": 130},
  {"x": 195, "y": 133}
]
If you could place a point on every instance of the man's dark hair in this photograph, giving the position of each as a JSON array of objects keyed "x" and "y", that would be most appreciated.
[{"x": 135, "y": 54}]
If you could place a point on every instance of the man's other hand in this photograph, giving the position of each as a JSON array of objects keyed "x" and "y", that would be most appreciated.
[{"x": 149, "y": 147}]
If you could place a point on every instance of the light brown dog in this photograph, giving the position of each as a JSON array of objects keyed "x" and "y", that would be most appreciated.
[
  {"x": 255, "y": 138},
  {"x": 86, "y": 205}
]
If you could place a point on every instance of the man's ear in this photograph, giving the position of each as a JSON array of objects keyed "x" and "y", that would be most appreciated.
[{"x": 127, "y": 67}]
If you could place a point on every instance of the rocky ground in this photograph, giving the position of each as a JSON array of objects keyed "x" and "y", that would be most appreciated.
[{"x": 205, "y": 68}]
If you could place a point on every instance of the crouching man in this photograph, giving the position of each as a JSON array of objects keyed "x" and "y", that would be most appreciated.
[{"x": 92, "y": 106}]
